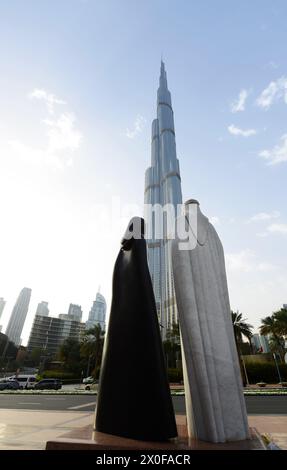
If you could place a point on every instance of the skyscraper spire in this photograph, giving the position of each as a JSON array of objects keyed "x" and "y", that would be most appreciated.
[
  {"x": 163, "y": 78},
  {"x": 163, "y": 186}
]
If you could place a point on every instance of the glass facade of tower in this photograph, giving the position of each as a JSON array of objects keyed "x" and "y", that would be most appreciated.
[
  {"x": 2, "y": 305},
  {"x": 42, "y": 309},
  {"x": 75, "y": 312},
  {"x": 97, "y": 314},
  {"x": 18, "y": 316},
  {"x": 163, "y": 186}
]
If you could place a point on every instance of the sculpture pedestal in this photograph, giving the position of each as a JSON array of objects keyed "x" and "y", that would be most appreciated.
[{"x": 87, "y": 439}]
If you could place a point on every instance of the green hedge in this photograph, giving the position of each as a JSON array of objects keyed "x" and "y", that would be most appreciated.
[
  {"x": 266, "y": 372},
  {"x": 175, "y": 375},
  {"x": 57, "y": 374}
]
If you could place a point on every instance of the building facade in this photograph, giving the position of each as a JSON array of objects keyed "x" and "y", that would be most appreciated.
[
  {"x": 260, "y": 343},
  {"x": 2, "y": 305},
  {"x": 48, "y": 333},
  {"x": 97, "y": 314},
  {"x": 163, "y": 187},
  {"x": 75, "y": 312},
  {"x": 43, "y": 309},
  {"x": 18, "y": 316}
]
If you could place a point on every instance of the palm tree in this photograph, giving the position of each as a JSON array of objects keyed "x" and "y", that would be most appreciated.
[
  {"x": 274, "y": 326},
  {"x": 281, "y": 320},
  {"x": 269, "y": 326},
  {"x": 241, "y": 328},
  {"x": 92, "y": 344},
  {"x": 276, "y": 345}
]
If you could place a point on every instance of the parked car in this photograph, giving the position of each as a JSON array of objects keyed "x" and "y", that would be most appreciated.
[
  {"x": 3, "y": 384},
  {"x": 9, "y": 385},
  {"x": 13, "y": 385},
  {"x": 48, "y": 384},
  {"x": 88, "y": 380},
  {"x": 92, "y": 386},
  {"x": 26, "y": 381}
]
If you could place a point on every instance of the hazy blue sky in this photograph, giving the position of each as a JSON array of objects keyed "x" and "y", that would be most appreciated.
[{"x": 78, "y": 81}]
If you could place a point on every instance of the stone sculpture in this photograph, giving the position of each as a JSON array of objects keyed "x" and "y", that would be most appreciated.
[
  {"x": 134, "y": 398},
  {"x": 215, "y": 403}
]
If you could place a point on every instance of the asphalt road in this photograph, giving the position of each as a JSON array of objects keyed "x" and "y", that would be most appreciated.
[
  {"x": 255, "y": 405},
  {"x": 49, "y": 402}
]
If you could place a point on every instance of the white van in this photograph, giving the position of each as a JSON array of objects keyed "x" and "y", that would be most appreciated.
[{"x": 25, "y": 381}]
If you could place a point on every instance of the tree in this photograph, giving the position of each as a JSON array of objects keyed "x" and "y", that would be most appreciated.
[
  {"x": 276, "y": 327},
  {"x": 70, "y": 354},
  {"x": 276, "y": 346},
  {"x": 92, "y": 344},
  {"x": 269, "y": 326},
  {"x": 241, "y": 328},
  {"x": 281, "y": 321},
  {"x": 35, "y": 356}
]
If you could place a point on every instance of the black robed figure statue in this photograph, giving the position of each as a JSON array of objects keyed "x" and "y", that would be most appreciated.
[{"x": 134, "y": 398}]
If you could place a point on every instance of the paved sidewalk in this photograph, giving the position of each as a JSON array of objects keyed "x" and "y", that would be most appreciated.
[
  {"x": 274, "y": 426},
  {"x": 30, "y": 429}
]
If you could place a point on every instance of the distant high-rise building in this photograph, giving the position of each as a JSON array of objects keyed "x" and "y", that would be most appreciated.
[
  {"x": 162, "y": 187},
  {"x": 2, "y": 305},
  {"x": 48, "y": 333},
  {"x": 265, "y": 344},
  {"x": 260, "y": 343},
  {"x": 43, "y": 309},
  {"x": 18, "y": 316},
  {"x": 75, "y": 312},
  {"x": 285, "y": 306},
  {"x": 97, "y": 314}
]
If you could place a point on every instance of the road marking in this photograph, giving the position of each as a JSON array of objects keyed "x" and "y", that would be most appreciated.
[
  {"x": 55, "y": 398},
  {"x": 28, "y": 403},
  {"x": 82, "y": 406}
]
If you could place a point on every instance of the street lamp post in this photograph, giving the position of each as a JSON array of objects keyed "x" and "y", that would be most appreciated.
[
  {"x": 245, "y": 372},
  {"x": 88, "y": 368},
  {"x": 278, "y": 371}
]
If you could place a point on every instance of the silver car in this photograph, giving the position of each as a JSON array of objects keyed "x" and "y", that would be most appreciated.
[{"x": 9, "y": 385}]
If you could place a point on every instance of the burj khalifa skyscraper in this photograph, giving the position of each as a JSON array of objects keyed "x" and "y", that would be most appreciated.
[{"x": 163, "y": 187}]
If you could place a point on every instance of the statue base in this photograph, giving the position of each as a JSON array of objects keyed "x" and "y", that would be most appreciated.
[{"x": 87, "y": 439}]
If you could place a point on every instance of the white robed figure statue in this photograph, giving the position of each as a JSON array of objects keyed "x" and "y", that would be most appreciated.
[{"x": 215, "y": 404}]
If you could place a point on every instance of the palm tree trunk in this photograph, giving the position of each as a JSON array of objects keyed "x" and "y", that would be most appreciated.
[{"x": 244, "y": 382}]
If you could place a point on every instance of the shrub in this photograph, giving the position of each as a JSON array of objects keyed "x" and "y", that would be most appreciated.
[
  {"x": 265, "y": 372},
  {"x": 59, "y": 374}
]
